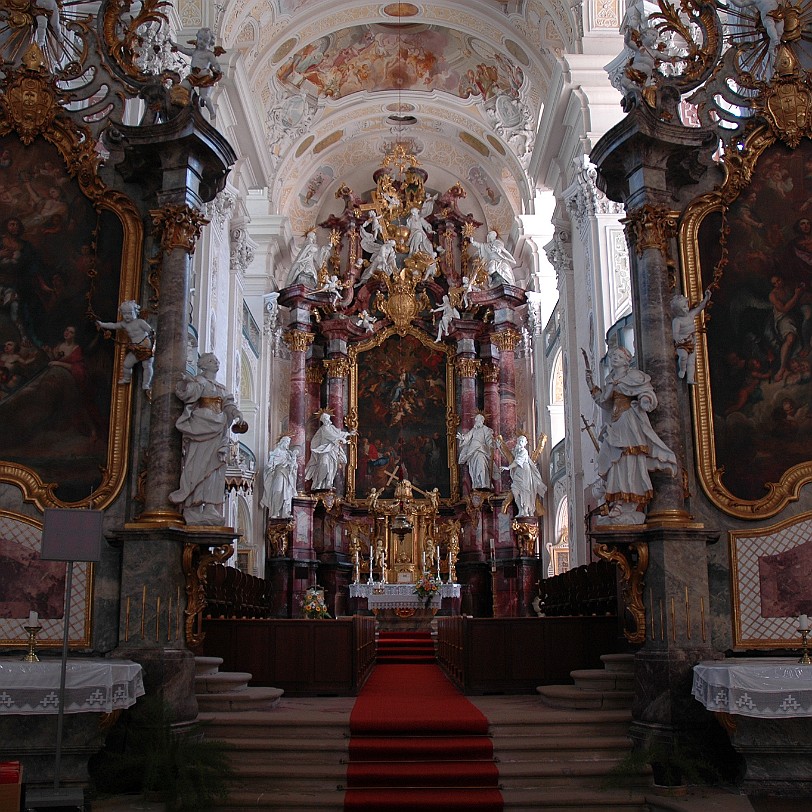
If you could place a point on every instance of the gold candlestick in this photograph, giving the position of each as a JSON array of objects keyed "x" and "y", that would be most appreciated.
[
  {"x": 31, "y": 654},
  {"x": 805, "y": 660}
]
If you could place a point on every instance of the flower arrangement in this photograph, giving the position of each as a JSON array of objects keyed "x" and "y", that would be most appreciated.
[
  {"x": 313, "y": 605},
  {"x": 426, "y": 588}
]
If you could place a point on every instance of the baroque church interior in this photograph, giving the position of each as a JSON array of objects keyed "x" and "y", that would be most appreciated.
[{"x": 328, "y": 325}]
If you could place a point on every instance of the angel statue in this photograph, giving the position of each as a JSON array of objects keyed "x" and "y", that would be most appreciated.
[
  {"x": 309, "y": 261},
  {"x": 526, "y": 483},
  {"x": 499, "y": 262},
  {"x": 140, "y": 342},
  {"x": 447, "y": 314},
  {"x": 384, "y": 258},
  {"x": 333, "y": 286},
  {"x": 366, "y": 321}
]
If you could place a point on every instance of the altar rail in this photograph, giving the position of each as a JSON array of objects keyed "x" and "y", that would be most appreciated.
[
  {"x": 514, "y": 655},
  {"x": 303, "y": 657}
]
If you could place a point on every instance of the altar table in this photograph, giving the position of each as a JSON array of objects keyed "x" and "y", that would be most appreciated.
[
  {"x": 94, "y": 685},
  {"x": 400, "y": 596}
]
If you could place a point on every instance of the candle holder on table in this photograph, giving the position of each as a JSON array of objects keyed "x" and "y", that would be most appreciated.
[{"x": 31, "y": 654}]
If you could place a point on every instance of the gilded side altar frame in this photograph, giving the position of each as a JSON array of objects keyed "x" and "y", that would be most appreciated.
[
  {"x": 740, "y": 170},
  {"x": 75, "y": 144},
  {"x": 451, "y": 417}
]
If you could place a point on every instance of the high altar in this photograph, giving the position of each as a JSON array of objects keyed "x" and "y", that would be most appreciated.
[{"x": 402, "y": 329}]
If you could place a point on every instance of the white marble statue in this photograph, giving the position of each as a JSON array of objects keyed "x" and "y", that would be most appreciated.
[
  {"x": 683, "y": 328},
  {"x": 209, "y": 412},
  {"x": 309, "y": 261},
  {"x": 447, "y": 314},
  {"x": 332, "y": 286},
  {"x": 384, "y": 258},
  {"x": 499, "y": 262},
  {"x": 526, "y": 483},
  {"x": 366, "y": 321},
  {"x": 327, "y": 452},
  {"x": 468, "y": 287},
  {"x": 279, "y": 482},
  {"x": 629, "y": 447},
  {"x": 140, "y": 342},
  {"x": 476, "y": 451},
  {"x": 419, "y": 230}
]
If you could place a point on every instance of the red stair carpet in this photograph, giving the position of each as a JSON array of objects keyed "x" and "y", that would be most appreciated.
[{"x": 416, "y": 742}]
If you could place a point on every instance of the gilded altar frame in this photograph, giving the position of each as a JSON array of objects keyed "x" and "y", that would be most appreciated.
[
  {"x": 451, "y": 418},
  {"x": 785, "y": 488},
  {"x": 75, "y": 145}
]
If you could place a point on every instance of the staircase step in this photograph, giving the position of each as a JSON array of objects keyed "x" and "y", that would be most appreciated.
[
  {"x": 568, "y": 696},
  {"x": 289, "y": 777},
  {"x": 465, "y": 774},
  {"x": 413, "y": 799},
  {"x": 538, "y": 747},
  {"x": 282, "y": 801},
  {"x": 599, "y": 679},
  {"x": 574, "y": 800},
  {"x": 588, "y": 773},
  {"x": 618, "y": 662},
  {"x": 417, "y": 748},
  {"x": 207, "y": 665},
  {"x": 289, "y": 750},
  {"x": 221, "y": 682},
  {"x": 248, "y": 699}
]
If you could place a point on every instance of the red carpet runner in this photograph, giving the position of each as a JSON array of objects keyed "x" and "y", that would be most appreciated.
[{"x": 417, "y": 743}]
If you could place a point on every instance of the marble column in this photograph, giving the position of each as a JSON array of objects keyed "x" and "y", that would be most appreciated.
[
  {"x": 298, "y": 343},
  {"x": 178, "y": 227},
  {"x": 466, "y": 374},
  {"x": 506, "y": 342}
]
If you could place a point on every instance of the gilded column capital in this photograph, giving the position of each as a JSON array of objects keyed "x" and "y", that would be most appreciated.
[
  {"x": 467, "y": 367},
  {"x": 179, "y": 226},
  {"x": 506, "y": 340},
  {"x": 314, "y": 373},
  {"x": 337, "y": 367},
  {"x": 650, "y": 226},
  {"x": 298, "y": 340},
  {"x": 490, "y": 372}
]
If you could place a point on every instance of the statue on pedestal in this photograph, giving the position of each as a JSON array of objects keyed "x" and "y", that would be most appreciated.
[
  {"x": 476, "y": 450},
  {"x": 526, "y": 483},
  {"x": 280, "y": 480},
  {"x": 327, "y": 452}
]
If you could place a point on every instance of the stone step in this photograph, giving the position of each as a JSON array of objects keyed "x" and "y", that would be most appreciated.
[
  {"x": 207, "y": 665},
  {"x": 222, "y": 682},
  {"x": 290, "y": 750},
  {"x": 568, "y": 696},
  {"x": 248, "y": 699},
  {"x": 574, "y": 800},
  {"x": 599, "y": 679},
  {"x": 618, "y": 662},
  {"x": 549, "y": 721},
  {"x": 562, "y": 773},
  {"x": 289, "y": 777},
  {"x": 539, "y": 747},
  {"x": 249, "y": 800},
  {"x": 256, "y": 724}
]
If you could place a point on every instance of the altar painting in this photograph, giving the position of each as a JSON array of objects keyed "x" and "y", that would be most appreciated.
[
  {"x": 754, "y": 402},
  {"x": 60, "y": 263},
  {"x": 402, "y": 391}
]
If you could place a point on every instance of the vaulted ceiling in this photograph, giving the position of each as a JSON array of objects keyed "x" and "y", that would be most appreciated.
[{"x": 331, "y": 86}]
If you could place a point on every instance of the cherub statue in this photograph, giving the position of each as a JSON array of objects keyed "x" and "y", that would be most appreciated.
[
  {"x": 366, "y": 321},
  {"x": 683, "y": 329},
  {"x": 468, "y": 287},
  {"x": 140, "y": 342},
  {"x": 333, "y": 286},
  {"x": 205, "y": 70}
]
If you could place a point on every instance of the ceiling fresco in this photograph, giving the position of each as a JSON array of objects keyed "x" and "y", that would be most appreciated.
[{"x": 334, "y": 82}]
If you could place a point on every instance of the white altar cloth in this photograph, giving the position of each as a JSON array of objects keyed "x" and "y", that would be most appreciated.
[
  {"x": 94, "y": 685},
  {"x": 768, "y": 688},
  {"x": 400, "y": 596}
]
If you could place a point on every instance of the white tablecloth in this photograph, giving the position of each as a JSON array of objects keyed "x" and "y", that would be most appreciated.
[
  {"x": 400, "y": 596},
  {"x": 770, "y": 688},
  {"x": 93, "y": 685}
]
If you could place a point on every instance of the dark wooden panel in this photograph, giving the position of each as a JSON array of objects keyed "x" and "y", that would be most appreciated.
[{"x": 293, "y": 654}]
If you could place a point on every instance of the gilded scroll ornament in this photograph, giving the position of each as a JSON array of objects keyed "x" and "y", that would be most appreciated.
[
  {"x": 298, "y": 340},
  {"x": 632, "y": 561},
  {"x": 179, "y": 226},
  {"x": 278, "y": 534},
  {"x": 506, "y": 340},
  {"x": 467, "y": 367},
  {"x": 29, "y": 102},
  {"x": 196, "y": 560},
  {"x": 337, "y": 367},
  {"x": 651, "y": 226},
  {"x": 527, "y": 535}
]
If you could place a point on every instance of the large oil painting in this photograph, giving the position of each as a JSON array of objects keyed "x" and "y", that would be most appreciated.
[
  {"x": 60, "y": 265},
  {"x": 402, "y": 392},
  {"x": 755, "y": 411}
]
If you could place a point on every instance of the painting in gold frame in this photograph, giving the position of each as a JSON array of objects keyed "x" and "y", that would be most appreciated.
[
  {"x": 753, "y": 397},
  {"x": 70, "y": 252},
  {"x": 771, "y": 574},
  {"x": 402, "y": 405},
  {"x": 27, "y": 583}
]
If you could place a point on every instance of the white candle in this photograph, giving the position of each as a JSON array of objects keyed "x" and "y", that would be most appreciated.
[
  {"x": 803, "y": 623},
  {"x": 33, "y": 618}
]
